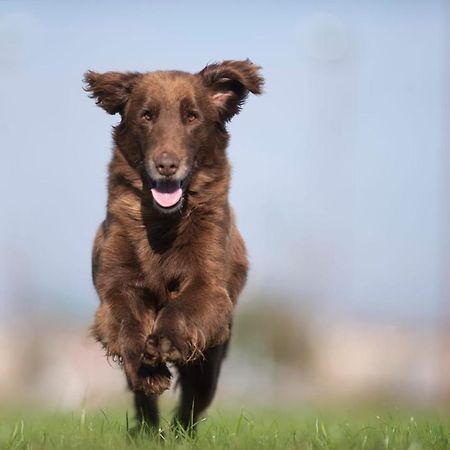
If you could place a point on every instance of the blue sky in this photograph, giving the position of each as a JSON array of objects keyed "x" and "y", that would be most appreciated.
[{"x": 338, "y": 176}]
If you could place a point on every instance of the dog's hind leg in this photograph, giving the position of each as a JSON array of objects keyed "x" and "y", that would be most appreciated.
[
  {"x": 147, "y": 413},
  {"x": 198, "y": 382}
]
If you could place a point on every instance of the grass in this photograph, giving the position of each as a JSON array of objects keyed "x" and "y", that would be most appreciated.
[{"x": 239, "y": 430}]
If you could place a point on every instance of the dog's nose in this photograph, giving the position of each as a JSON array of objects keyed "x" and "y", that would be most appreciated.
[{"x": 167, "y": 164}]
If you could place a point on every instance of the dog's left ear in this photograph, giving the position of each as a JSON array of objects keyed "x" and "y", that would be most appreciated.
[
  {"x": 111, "y": 89},
  {"x": 229, "y": 84}
]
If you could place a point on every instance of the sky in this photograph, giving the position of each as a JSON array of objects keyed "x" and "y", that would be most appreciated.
[{"x": 338, "y": 176}]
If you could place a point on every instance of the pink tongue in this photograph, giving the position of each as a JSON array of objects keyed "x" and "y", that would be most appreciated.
[{"x": 167, "y": 199}]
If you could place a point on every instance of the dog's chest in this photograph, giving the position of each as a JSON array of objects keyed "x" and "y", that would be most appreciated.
[{"x": 169, "y": 273}]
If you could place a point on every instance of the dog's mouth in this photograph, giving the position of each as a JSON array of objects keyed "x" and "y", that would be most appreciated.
[{"x": 168, "y": 194}]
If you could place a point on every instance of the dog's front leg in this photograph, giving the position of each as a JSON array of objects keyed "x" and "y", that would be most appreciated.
[
  {"x": 199, "y": 319},
  {"x": 122, "y": 324}
]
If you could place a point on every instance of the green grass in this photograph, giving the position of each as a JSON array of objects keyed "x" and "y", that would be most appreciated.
[{"x": 244, "y": 429}]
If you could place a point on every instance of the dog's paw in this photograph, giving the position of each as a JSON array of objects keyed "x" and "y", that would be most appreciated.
[
  {"x": 161, "y": 349},
  {"x": 153, "y": 379},
  {"x": 141, "y": 377}
]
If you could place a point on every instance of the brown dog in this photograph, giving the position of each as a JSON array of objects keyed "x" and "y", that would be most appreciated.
[{"x": 168, "y": 261}]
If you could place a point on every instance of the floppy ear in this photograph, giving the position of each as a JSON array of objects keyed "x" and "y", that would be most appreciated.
[
  {"x": 110, "y": 89},
  {"x": 229, "y": 84}
]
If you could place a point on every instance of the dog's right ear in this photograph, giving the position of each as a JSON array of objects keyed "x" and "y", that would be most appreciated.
[{"x": 111, "y": 89}]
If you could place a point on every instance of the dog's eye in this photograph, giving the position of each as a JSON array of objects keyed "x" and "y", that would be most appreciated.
[
  {"x": 191, "y": 116},
  {"x": 147, "y": 116}
]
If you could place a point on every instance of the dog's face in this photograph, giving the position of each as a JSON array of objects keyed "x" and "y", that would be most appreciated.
[{"x": 171, "y": 120}]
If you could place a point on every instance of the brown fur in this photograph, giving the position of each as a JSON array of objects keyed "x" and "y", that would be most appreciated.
[{"x": 168, "y": 279}]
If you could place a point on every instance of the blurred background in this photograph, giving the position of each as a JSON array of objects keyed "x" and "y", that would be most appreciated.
[{"x": 345, "y": 211}]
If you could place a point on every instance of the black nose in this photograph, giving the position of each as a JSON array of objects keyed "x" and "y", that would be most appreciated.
[{"x": 167, "y": 164}]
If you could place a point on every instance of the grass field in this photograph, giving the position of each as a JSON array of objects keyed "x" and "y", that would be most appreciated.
[{"x": 245, "y": 429}]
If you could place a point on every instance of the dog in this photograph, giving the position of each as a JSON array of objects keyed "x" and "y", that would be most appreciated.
[{"x": 168, "y": 261}]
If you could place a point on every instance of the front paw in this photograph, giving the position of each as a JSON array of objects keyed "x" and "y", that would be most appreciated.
[
  {"x": 174, "y": 338},
  {"x": 180, "y": 346},
  {"x": 160, "y": 349},
  {"x": 154, "y": 379},
  {"x": 142, "y": 377}
]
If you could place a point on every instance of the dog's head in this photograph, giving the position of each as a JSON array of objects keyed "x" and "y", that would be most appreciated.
[{"x": 171, "y": 121}]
